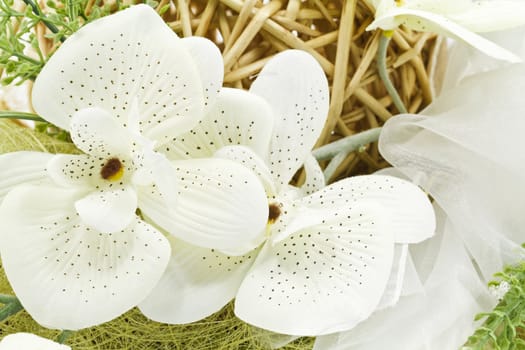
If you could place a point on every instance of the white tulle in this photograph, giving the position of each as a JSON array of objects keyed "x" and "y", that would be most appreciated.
[
  {"x": 465, "y": 150},
  {"x": 467, "y": 155}
]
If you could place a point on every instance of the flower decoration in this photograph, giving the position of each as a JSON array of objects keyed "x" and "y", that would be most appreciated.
[
  {"x": 324, "y": 248},
  {"x": 28, "y": 341},
  {"x": 438, "y": 305},
  {"x": 457, "y": 19},
  {"x": 75, "y": 241},
  {"x": 453, "y": 149}
]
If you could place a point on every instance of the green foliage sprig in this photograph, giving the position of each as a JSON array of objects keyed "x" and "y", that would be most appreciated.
[
  {"x": 504, "y": 326},
  {"x": 17, "y": 32}
]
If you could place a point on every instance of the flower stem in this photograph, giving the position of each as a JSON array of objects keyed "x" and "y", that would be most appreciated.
[
  {"x": 7, "y": 299},
  {"x": 20, "y": 115},
  {"x": 38, "y": 12},
  {"x": 11, "y": 307},
  {"x": 346, "y": 145},
  {"x": 383, "y": 73},
  {"x": 62, "y": 337},
  {"x": 330, "y": 170}
]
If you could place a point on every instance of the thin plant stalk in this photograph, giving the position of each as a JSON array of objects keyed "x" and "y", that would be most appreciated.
[{"x": 383, "y": 72}]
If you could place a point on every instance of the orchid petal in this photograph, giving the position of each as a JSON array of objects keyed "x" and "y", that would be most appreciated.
[
  {"x": 411, "y": 215},
  {"x": 431, "y": 22},
  {"x": 248, "y": 158},
  {"x": 197, "y": 283},
  {"x": 395, "y": 282},
  {"x": 158, "y": 171},
  {"x": 236, "y": 118},
  {"x": 315, "y": 180},
  {"x": 477, "y": 16},
  {"x": 300, "y": 105},
  {"x": 22, "y": 168},
  {"x": 208, "y": 58},
  {"x": 112, "y": 61},
  {"x": 322, "y": 279},
  {"x": 108, "y": 210},
  {"x": 490, "y": 16},
  {"x": 29, "y": 341},
  {"x": 439, "y": 317},
  {"x": 78, "y": 170},
  {"x": 96, "y": 132},
  {"x": 220, "y": 204},
  {"x": 67, "y": 275}
]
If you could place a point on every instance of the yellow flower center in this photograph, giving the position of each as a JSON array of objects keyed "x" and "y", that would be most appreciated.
[{"x": 112, "y": 170}]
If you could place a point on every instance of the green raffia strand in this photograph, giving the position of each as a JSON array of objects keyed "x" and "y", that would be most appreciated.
[
  {"x": 348, "y": 144},
  {"x": 383, "y": 72},
  {"x": 504, "y": 326}
]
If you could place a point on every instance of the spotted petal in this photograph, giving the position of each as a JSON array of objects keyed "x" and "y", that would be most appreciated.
[
  {"x": 108, "y": 210},
  {"x": 197, "y": 283},
  {"x": 299, "y": 102},
  {"x": 411, "y": 215},
  {"x": 78, "y": 170},
  {"x": 220, "y": 205},
  {"x": 248, "y": 158},
  {"x": 237, "y": 118},
  {"x": 29, "y": 341},
  {"x": 431, "y": 22},
  {"x": 68, "y": 275},
  {"x": 490, "y": 16},
  {"x": 112, "y": 61},
  {"x": 302, "y": 285},
  {"x": 208, "y": 58},
  {"x": 477, "y": 16},
  {"x": 315, "y": 180},
  {"x": 96, "y": 132},
  {"x": 22, "y": 168}
]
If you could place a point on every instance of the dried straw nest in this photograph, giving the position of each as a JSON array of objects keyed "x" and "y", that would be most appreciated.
[{"x": 249, "y": 33}]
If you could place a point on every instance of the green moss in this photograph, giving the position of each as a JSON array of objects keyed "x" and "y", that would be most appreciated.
[
  {"x": 221, "y": 331},
  {"x": 13, "y": 137}
]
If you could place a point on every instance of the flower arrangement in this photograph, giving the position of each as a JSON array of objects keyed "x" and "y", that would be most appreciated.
[{"x": 168, "y": 196}]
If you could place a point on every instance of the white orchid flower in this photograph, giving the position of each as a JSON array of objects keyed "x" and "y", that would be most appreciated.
[
  {"x": 74, "y": 249},
  {"x": 326, "y": 249},
  {"x": 28, "y": 341},
  {"x": 459, "y": 19},
  {"x": 438, "y": 314}
]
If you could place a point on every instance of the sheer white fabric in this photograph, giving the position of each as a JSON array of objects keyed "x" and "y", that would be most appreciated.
[{"x": 466, "y": 151}]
